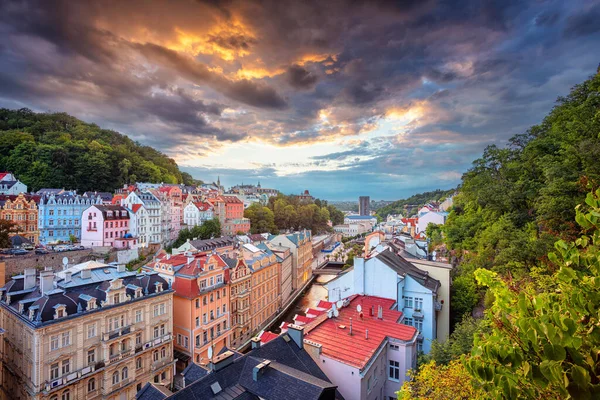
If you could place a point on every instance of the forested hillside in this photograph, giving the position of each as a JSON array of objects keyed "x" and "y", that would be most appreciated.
[
  {"x": 419, "y": 199},
  {"x": 525, "y": 230},
  {"x": 58, "y": 150}
]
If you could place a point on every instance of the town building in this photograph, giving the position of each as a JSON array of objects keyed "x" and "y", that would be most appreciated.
[
  {"x": 353, "y": 229},
  {"x": 384, "y": 273},
  {"x": 222, "y": 245},
  {"x": 172, "y": 194},
  {"x": 364, "y": 205},
  {"x": 350, "y": 219},
  {"x": 255, "y": 291},
  {"x": 106, "y": 226},
  {"x": 138, "y": 224},
  {"x": 105, "y": 196},
  {"x": 151, "y": 218},
  {"x": 284, "y": 258},
  {"x": 300, "y": 245},
  {"x": 196, "y": 213},
  {"x": 279, "y": 370},
  {"x": 98, "y": 333},
  {"x": 363, "y": 347},
  {"x": 10, "y": 185},
  {"x": 230, "y": 212},
  {"x": 305, "y": 197},
  {"x": 431, "y": 217},
  {"x": 59, "y": 216},
  {"x": 201, "y": 315},
  {"x": 22, "y": 210}
]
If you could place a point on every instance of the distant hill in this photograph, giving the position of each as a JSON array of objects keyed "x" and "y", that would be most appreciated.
[
  {"x": 398, "y": 207},
  {"x": 58, "y": 150}
]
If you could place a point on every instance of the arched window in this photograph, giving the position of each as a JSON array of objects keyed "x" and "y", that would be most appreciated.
[
  {"x": 55, "y": 397},
  {"x": 155, "y": 355},
  {"x": 66, "y": 395},
  {"x": 91, "y": 385},
  {"x": 124, "y": 373},
  {"x": 163, "y": 352},
  {"x": 138, "y": 363},
  {"x": 115, "y": 378}
]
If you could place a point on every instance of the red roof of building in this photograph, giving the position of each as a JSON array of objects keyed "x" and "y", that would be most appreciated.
[
  {"x": 314, "y": 312},
  {"x": 412, "y": 221},
  {"x": 135, "y": 207},
  {"x": 324, "y": 304},
  {"x": 3, "y": 174},
  {"x": 355, "y": 349},
  {"x": 230, "y": 199},
  {"x": 266, "y": 337},
  {"x": 203, "y": 206},
  {"x": 301, "y": 320}
]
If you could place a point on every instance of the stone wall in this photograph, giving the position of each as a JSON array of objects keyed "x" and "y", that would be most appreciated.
[{"x": 16, "y": 265}]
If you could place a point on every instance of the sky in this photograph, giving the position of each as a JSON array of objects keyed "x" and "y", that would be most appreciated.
[{"x": 344, "y": 98}]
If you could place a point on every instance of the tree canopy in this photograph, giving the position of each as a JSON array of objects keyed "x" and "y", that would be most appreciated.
[
  {"x": 416, "y": 200},
  {"x": 58, "y": 150}
]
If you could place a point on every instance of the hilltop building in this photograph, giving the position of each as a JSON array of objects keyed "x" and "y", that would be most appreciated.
[{"x": 9, "y": 185}]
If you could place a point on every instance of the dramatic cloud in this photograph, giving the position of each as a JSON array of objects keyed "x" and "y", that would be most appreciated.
[{"x": 341, "y": 97}]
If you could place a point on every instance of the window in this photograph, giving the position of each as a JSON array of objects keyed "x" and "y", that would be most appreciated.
[
  {"x": 159, "y": 309},
  {"x": 197, "y": 303},
  {"x": 66, "y": 367},
  {"x": 155, "y": 356},
  {"x": 53, "y": 342},
  {"x": 408, "y": 321},
  {"x": 54, "y": 371},
  {"x": 91, "y": 385},
  {"x": 115, "y": 377},
  {"x": 197, "y": 322},
  {"x": 186, "y": 342},
  {"x": 224, "y": 308},
  {"x": 91, "y": 356},
  {"x": 197, "y": 340},
  {"x": 124, "y": 373},
  {"x": 394, "y": 347},
  {"x": 418, "y": 303},
  {"x": 162, "y": 330},
  {"x": 116, "y": 298},
  {"x": 204, "y": 300},
  {"x": 156, "y": 333},
  {"x": 138, "y": 339},
  {"x": 205, "y": 337},
  {"x": 394, "y": 371},
  {"x": 66, "y": 395},
  {"x": 138, "y": 316},
  {"x": 204, "y": 320},
  {"x": 66, "y": 338},
  {"x": 420, "y": 346},
  {"x": 408, "y": 302},
  {"x": 163, "y": 352},
  {"x": 418, "y": 324},
  {"x": 138, "y": 363},
  {"x": 91, "y": 330}
]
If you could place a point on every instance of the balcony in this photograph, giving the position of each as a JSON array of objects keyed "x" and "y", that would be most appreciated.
[
  {"x": 160, "y": 364},
  {"x": 70, "y": 378},
  {"x": 438, "y": 306},
  {"x": 117, "y": 333},
  {"x": 418, "y": 314}
]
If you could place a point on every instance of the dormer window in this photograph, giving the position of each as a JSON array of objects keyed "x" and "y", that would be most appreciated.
[
  {"x": 138, "y": 292},
  {"x": 60, "y": 311},
  {"x": 159, "y": 287},
  {"x": 31, "y": 314},
  {"x": 116, "y": 298},
  {"x": 91, "y": 304}
]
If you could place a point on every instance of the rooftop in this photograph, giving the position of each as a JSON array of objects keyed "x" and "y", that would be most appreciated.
[{"x": 333, "y": 334}]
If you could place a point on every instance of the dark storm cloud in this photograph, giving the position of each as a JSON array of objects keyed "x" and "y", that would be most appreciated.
[
  {"x": 585, "y": 22},
  {"x": 180, "y": 74},
  {"x": 300, "y": 78}
]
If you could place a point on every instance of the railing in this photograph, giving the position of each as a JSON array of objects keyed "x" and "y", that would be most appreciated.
[
  {"x": 159, "y": 364},
  {"x": 67, "y": 379},
  {"x": 108, "y": 336}
]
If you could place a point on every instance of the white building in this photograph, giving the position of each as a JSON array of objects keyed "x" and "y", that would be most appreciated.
[
  {"x": 350, "y": 219},
  {"x": 139, "y": 224},
  {"x": 153, "y": 213},
  {"x": 431, "y": 217},
  {"x": 11, "y": 185},
  {"x": 353, "y": 229},
  {"x": 196, "y": 213}
]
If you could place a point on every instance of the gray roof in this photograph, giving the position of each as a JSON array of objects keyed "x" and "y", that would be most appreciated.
[
  {"x": 403, "y": 268},
  {"x": 292, "y": 375}
]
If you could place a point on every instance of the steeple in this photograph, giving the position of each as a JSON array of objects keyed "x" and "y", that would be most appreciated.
[{"x": 218, "y": 181}]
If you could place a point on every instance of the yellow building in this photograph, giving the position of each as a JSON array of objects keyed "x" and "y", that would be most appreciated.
[
  {"x": 96, "y": 333},
  {"x": 22, "y": 210}
]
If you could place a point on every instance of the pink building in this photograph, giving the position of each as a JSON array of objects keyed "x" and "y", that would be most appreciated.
[
  {"x": 107, "y": 226},
  {"x": 173, "y": 195},
  {"x": 365, "y": 350}
]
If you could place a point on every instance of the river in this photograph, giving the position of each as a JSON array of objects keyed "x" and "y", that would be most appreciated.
[{"x": 315, "y": 292}]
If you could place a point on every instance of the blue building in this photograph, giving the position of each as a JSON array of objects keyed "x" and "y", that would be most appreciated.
[{"x": 59, "y": 214}]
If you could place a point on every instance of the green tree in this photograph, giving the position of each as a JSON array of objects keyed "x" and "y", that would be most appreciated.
[
  {"x": 7, "y": 228},
  {"x": 543, "y": 342}
]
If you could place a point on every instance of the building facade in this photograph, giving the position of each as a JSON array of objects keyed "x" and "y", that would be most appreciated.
[
  {"x": 153, "y": 213},
  {"x": 201, "y": 316},
  {"x": 230, "y": 211},
  {"x": 364, "y": 205},
  {"x": 96, "y": 334},
  {"x": 59, "y": 216},
  {"x": 10, "y": 185},
  {"x": 196, "y": 213},
  {"x": 300, "y": 245},
  {"x": 22, "y": 210},
  {"x": 106, "y": 226}
]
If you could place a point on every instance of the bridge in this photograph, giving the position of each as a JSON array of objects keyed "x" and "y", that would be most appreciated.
[{"x": 329, "y": 268}]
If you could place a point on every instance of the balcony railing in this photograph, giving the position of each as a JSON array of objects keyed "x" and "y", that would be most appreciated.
[
  {"x": 69, "y": 378},
  {"x": 160, "y": 363},
  {"x": 108, "y": 336}
]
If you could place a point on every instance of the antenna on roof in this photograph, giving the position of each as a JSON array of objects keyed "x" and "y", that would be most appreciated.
[
  {"x": 330, "y": 313},
  {"x": 339, "y": 304}
]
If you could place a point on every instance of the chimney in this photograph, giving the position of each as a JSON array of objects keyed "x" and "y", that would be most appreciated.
[
  {"x": 86, "y": 274},
  {"x": 221, "y": 361},
  {"x": 350, "y": 332},
  {"x": 46, "y": 280},
  {"x": 255, "y": 343},
  {"x": 372, "y": 311},
  {"x": 296, "y": 332},
  {"x": 29, "y": 278},
  {"x": 380, "y": 312},
  {"x": 366, "y": 334},
  {"x": 68, "y": 276},
  {"x": 259, "y": 370}
]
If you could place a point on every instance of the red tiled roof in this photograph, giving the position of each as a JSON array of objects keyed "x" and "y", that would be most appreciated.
[
  {"x": 173, "y": 260},
  {"x": 135, "y": 207},
  {"x": 266, "y": 337},
  {"x": 117, "y": 199},
  {"x": 324, "y": 304},
  {"x": 230, "y": 199},
  {"x": 301, "y": 320},
  {"x": 186, "y": 287},
  {"x": 355, "y": 350},
  {"x": 203, "y": 206},
  {"x": 314, "y": 312},
  {"x": 3, "y": 174},
  {"x": 412, "y": 221}
]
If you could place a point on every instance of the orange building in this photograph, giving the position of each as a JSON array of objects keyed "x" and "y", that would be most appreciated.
[
  {"x": 22, "y": 209},
  {"x": 230, "y": 211},
  {"x": 201, "y": 309}
]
